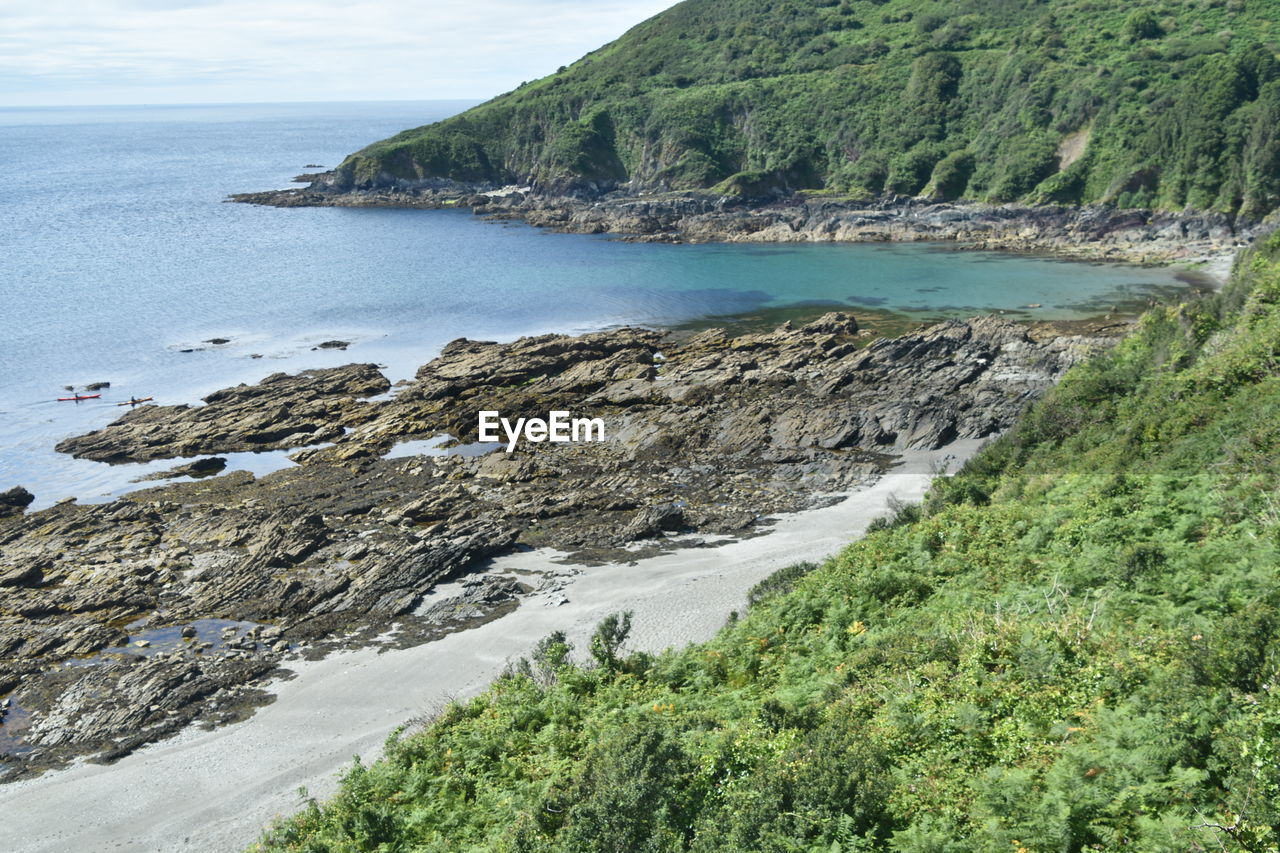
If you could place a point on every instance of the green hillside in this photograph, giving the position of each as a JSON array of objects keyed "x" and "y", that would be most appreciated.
[
  {"x": 1141, "y": 103},
  {"x": 1074, "y": 644}
]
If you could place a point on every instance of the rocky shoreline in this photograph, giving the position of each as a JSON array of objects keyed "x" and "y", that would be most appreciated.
[
  {"x": 1093, "y": 232},
  {"x": 126, "y": 621}
]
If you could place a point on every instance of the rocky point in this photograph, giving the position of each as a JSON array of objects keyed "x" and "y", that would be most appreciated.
[{"x": 708, "y": 434}]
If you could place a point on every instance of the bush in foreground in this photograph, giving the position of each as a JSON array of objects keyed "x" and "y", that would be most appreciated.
[{"x": 1071, "y": 645}]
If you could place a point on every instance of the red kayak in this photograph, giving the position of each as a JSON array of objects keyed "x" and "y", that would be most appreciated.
[{"x": 79, "y": 397}]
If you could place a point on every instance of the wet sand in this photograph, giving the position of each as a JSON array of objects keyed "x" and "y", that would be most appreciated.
[{"x": 214, "y": 791}]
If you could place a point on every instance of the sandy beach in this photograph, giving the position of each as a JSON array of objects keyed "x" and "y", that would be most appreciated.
[{"x": 214, "y": 791}]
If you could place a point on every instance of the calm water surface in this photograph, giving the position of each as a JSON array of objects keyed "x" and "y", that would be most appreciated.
[{"x": 119, "y": 261}]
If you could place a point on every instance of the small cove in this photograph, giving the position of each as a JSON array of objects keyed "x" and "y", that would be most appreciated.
[{"x": 141, "y": 276}]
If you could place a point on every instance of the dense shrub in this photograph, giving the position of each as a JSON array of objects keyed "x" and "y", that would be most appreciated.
[
  {"x": 815, "y": 95},
  {"x": 1142, "y": 24},
  {"x": 1073, "y": 644},
  {"x": 952, "y": 174}
]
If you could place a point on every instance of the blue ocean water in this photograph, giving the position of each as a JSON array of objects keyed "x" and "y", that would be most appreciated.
[{"x": 120, "y": 260}]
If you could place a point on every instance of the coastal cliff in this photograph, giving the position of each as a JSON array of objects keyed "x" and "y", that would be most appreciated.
[
  {"x": 1089, "y": 130},
  {"x": 1132, "y": 132},
  {"x": 1135, "y": 105}
]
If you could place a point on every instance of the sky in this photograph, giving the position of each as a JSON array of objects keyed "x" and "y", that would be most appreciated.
[{"x": 98, "y": 52}]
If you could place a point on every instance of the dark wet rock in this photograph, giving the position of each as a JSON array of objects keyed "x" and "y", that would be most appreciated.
[
  {"x": 202, "y": 467},
  {"x": 217, "y": 342},
  {"x": 207, "y": 467},
  {"x": 571, "y": 364},
  {"x": 338, "y": 345},
  {"x": 97, "y": 386},
  {"x": 14, "y": 501}
]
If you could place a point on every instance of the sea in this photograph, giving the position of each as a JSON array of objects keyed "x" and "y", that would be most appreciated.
[{"x": 121, "y": 261}]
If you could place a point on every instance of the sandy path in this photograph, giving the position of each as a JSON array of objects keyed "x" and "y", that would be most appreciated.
[{"x": 213, "y": 791}]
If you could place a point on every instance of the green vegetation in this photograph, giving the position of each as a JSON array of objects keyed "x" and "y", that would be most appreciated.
[
  {"x": 1168, "y": 103},
  {"x": 1073, "y": 644}
]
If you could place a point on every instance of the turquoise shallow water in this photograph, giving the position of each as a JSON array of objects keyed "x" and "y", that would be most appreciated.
[{"x": 120, "y": 260}]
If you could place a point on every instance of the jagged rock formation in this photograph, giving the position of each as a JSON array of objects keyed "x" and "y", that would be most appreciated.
[
  {"x": 280, "y": 411},
  {"x": 706, "y": 434}
]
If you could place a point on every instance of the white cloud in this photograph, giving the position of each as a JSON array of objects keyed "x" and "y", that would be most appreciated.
[{"x": 153, "y": 51}]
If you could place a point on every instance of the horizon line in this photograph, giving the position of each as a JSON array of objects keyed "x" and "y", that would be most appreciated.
[{"x": 237, "y": 103}]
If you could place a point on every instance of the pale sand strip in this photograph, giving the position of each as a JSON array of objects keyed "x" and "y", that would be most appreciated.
[{"x": 213, "y": 791}]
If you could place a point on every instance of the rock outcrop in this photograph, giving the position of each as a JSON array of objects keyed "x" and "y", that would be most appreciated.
[
  {"x": 281, "y": 411},
  {"x": 15, "y": 501},
  {"x": 706, "y": 434},
  {"x": 1091, "y": 231}
]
